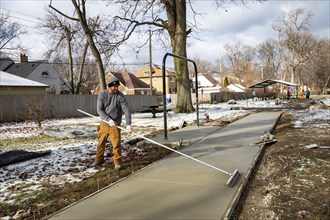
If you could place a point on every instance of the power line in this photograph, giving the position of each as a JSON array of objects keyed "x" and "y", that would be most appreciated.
[
  {"x": 86, "y": 63},
  {"x": 20, "y": 18},
  {"x": 9, "y": 10}
]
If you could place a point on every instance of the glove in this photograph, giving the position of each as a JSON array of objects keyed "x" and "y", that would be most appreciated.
[
  {"x": 112, "y": 123},
  {"x": 129, "y": 129}
]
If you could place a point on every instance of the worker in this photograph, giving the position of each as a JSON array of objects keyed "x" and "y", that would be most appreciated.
[
  {"x": 111, "y": 104},
  {"x": 308, "y": 93}
]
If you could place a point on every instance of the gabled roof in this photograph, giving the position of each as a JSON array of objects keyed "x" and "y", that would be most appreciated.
[
  {"x": 269, "y": 82},
  {"x": 236, "y": 87},
  {"x": 7, "y": 79},
  {"x": 23, "y": 69},
  {"x": 129, "y": 80},
  {"x": 209, "y": 78},
  {"x": 5, "y": 63}
]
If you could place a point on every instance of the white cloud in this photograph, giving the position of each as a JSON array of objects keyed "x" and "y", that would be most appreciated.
[
  {"x": 250, "y": 26},
  {"x": 253, "y": 25}
]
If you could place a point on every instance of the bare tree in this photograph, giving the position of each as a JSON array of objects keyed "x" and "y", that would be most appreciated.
[
  {"x": 80, "y": 10},
  {"x": 174, "y": 25},
  {"x": 294, "y": 39},
  {"x": 66, "y": 34},
  {"x": 10, "y": 33},
  {"x": 271, "y": 59},
  {"x": 204, "y": 66},
  {"x": 240, "y": 58},
  {"x": 319, "y": 67}
]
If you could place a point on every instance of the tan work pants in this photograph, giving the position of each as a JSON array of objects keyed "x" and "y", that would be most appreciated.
[{"x": 104, "y": 132}]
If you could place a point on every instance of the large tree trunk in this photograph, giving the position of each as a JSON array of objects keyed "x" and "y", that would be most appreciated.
[{"x": 176, "y": 12}]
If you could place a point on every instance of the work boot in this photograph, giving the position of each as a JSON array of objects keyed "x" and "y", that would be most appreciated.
[
  {"x": 97, "y": 163},
  {"x": 117, "y": 167}
]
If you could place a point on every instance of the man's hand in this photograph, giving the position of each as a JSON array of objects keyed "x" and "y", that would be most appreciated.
[
  {"x": 112, "y": 123},
  {"x": 129, "y": 129}
]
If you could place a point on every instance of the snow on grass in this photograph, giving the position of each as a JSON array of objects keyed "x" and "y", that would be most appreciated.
[
  {"x": 312, "y": 119},
  {"x": 74, "y": 149}
]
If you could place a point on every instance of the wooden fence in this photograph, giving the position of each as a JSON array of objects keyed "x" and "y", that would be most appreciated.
[
  {"x": 18, "y": 108},
  {"x": 21, "y": 107}
]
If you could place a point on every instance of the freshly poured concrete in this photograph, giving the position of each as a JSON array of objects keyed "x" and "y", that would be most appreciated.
[{"x": 178, "y": 187}]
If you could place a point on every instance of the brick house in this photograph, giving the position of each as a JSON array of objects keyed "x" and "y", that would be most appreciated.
[
  {"x": 157, "y": 79},
  {"x": 129, "y": 84}
]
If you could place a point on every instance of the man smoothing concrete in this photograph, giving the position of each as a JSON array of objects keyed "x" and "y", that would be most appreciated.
[{"x": 111, "y": 104}]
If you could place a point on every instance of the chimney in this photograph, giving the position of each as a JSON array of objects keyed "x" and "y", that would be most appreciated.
[{"x": 23, "y": 57}]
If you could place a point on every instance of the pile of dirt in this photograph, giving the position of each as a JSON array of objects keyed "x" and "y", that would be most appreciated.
[{"x": 291, "y": 181}]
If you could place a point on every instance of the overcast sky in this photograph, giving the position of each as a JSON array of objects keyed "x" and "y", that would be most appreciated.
[{"x": 250, "y": 26}]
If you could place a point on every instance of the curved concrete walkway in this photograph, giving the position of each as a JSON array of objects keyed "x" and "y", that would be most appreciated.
[{"x": 180, "y": 188}]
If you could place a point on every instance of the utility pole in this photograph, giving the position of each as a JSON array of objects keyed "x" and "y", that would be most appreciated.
[
  {"x": 220, "y": 69},
  {"x": 150, "y": 62},
  {"x": 262, "y": 71}
]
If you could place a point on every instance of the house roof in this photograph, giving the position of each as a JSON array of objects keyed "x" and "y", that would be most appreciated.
[
  {"x": 5, "y": 63},
  {"x": 23, "y": 69},
  {"x": 269, "y": 82},
  {"x": 209, "y": 78},
  {"x": 129, "y": 80},
  {"x": 236, "y": 87},
  {"x": 7, "y": 79}
]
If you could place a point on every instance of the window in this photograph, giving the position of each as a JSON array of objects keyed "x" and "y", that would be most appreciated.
[
  {"x": 44, "y": 73},
  {"x": 154, "y": 79},
  {"x": 172, "y": 79},
  {"x": 146, "y": 73}
]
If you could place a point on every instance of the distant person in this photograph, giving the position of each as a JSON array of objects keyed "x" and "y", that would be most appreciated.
[
  {"x": 302, "y": 92},
  {"x": 289, "y": 94},
  {"x": 308, "y": 93},
  {"x": 111, "y": 104},
  {"x": 254, "y": 95}
]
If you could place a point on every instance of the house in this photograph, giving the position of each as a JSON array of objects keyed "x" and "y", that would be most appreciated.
[
  {"x": 157, "y": 79},
  {"x": 39, "y": 71},
  {"x": 236, "y": 88},
  {"x": 129, "y": 84},
  {"x": 204, "y": 80},
  {"x": 15, "y": 85},
  {"x": 206, "y": 83}
]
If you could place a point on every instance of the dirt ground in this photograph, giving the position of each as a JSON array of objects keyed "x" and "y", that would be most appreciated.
[{"x": 290, "y": 181}]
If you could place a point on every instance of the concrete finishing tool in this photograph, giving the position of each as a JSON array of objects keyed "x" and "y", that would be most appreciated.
[{"x": 233, "y": 177}]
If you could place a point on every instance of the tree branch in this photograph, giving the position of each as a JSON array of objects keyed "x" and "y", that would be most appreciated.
[{"x": 61, "y": 13}]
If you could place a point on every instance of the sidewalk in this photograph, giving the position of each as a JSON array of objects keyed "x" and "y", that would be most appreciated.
[{"x": 180, "y": 188}]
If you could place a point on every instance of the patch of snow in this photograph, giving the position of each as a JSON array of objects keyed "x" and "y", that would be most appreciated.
[{"x": 312, "y": 119}]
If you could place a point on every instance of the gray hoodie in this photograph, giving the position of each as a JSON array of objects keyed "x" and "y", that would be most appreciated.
[{"x": 112, "y": 106}]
